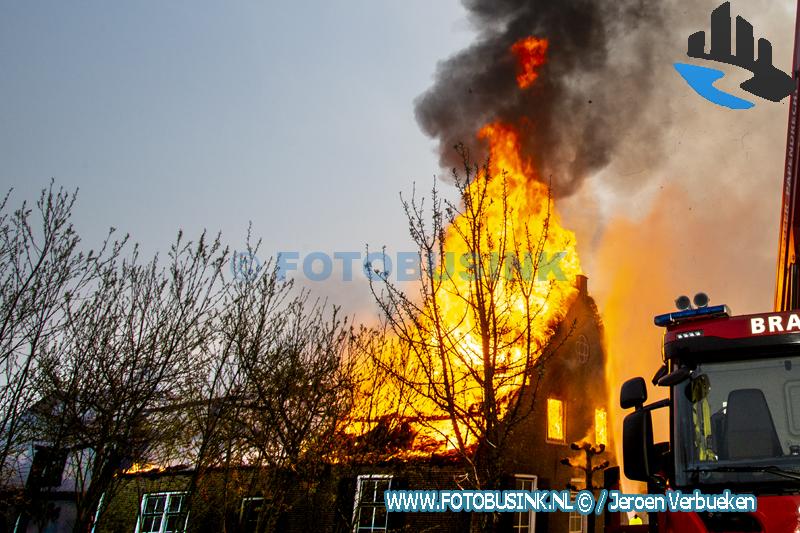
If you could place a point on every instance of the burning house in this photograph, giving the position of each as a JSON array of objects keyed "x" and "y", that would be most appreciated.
[
  {"x": 493, "y": 378},
  {"x": 568, "y": 405},
  {"x": 485, "y": 381},
  {"x": 449, "y": 400}
]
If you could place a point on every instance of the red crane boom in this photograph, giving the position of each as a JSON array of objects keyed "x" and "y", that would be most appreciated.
[{"x": 787, "y": 288}]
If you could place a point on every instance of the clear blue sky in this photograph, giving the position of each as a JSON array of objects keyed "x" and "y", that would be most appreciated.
[{"x": 295, "y": 115}]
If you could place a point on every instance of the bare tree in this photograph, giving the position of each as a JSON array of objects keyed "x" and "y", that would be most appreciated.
[
  {"x": 42, "y": 269},
  {"x": 470, "y": 344},
  {"x": 125, "y": 357},
  {"x": 112, "y": 361},
  {"x": 279, "y": 384}
]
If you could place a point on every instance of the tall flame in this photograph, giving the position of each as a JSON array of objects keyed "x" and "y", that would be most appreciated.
[{"x": 519, "y": 207}]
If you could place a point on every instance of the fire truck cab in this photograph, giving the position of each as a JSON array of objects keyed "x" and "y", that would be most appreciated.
[{"x": 734, "y": 415}]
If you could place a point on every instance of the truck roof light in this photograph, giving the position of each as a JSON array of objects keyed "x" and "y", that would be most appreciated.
[
  {"x": 683, "y": 303},
  {"x": 669, "y": 319},
  {"x": 701, "y": 299}
]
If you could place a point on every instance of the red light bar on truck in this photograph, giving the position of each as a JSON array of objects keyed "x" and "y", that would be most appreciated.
[{"x": 670, "y": 319}]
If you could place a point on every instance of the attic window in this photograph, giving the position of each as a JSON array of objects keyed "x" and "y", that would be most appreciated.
[{"x": 582, "y": 349}]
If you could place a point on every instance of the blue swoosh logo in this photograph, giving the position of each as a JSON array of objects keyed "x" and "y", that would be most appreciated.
[{"x": 702, "y": 79}]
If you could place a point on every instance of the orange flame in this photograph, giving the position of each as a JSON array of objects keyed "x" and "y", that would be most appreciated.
[
  {"x": 138, "y": 468},
  {"x": 531, "y": 209},
  {"x": 519, "y": 206},
  {"x": 530, "y": 53},
  {"x": 600, "y": 426}
]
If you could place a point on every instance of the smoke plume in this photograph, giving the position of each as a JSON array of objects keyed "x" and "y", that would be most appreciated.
[{"x": 593, "y": 87}]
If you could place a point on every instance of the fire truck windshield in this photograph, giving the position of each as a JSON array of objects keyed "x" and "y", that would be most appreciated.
[{"x": 738, "y": 422}]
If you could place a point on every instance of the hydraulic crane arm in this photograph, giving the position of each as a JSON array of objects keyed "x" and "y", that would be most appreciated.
[{"x": 787, "y": 288}]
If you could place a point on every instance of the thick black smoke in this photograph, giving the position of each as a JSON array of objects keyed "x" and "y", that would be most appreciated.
[{"x": 592, "y": 89}]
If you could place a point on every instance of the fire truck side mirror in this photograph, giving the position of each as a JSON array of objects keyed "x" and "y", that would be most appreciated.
[
  {"x": 638, "y": 450},
  {"x": 633, "y": 393},
  {"x": 679, "y": 375}
]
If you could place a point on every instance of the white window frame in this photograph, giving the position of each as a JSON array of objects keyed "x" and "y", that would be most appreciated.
[
  {"x": 169, "y": 495},
  {"x": 531, "y": 527},
  {"x": 357, "y": 501},
  {"x": 245, "y": 500},
  {"x": 578, "y": 483}
]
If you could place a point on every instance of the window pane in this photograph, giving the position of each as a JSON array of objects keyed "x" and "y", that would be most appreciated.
[
  {"x": 364, "y": 492},
  {"x": 575, "y": 523},
  {"x": 372, "y": 491},
  {"x": 600, "y": 426},
  {"x": 380, "y": 516},
  {"x": 524, "y": 483},
  {"x": 175, "y": 503},
  {"x": 372, "y": 495},
  {"x": 154, "y": 504},
  {"x": 555, "y": 420},
  {"x": 379, "y": 493},
  {"x": 151, "y": 523},
  {"x": 365, "y": 517},
  {"x": 371, "y": 513},
  {"x": 175, "y": 523}
]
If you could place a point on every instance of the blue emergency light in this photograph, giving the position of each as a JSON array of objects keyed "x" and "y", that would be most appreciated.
[{"x": 669, "y": 319}]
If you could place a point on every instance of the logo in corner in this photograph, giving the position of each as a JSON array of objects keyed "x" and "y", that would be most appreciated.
[{"x": 767, "y": 82}]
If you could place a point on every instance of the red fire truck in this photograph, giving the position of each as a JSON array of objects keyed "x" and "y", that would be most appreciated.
[
  {"x": 734, "y": 410},
  {"x": 734, "y": 392}
]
